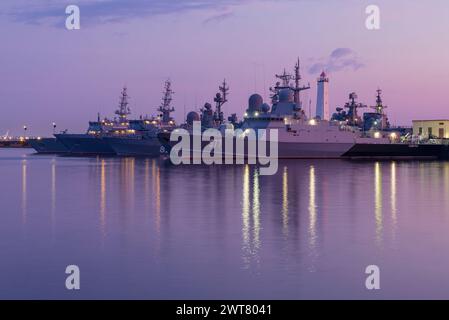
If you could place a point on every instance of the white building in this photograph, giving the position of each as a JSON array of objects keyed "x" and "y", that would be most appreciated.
[
  {"x": 431, "y": 129},
  {"x": 322, "y": 101}
]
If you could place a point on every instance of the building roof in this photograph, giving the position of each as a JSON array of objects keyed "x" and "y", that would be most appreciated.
[{"x": 431, "y": 120}]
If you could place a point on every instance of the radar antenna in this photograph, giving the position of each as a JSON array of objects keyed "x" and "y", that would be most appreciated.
[
  {"x": 220, "y": 99},
  {"x": 123, "y": 110},
  {"x": 165, "y": 107},
  {"x": 379, "y": 107},
  {"x": 297, "y": 89},
  {"x": 353, "y": 106}
]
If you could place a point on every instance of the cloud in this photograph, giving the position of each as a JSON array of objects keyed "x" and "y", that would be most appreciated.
[
  {"x": 339, "y": 59},
  {"x": 103, "y": 11},
  {"x": 219, "y": 17}
]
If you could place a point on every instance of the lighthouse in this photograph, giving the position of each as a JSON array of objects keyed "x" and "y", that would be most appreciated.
[{"x": 322, "y": 100}]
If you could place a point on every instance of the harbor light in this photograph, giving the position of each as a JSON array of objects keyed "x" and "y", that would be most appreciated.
[
  {"x": 256, "y": 114},
  {"x": 377, "y": 135},
  {"x": 312, "y": 122},
  {"x": 246, "y": 114}
]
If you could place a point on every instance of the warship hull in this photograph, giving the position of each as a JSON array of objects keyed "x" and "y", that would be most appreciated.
[
  {"x": 48, "y": 146},
  {"x": 397, "y": 151},
  {"x": 286, "y": 150},
  {"x": 333, "y": 150},
  {"x": 85, "y": 144},
  {"x": 136, "y": 147}
]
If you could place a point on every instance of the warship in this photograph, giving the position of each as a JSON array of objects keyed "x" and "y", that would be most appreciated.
[
  {"x": 142, "y": 139},
  {"x": 345, "y": 135},
  {"x": 47, "y": 146},
  {"x": 92, "y": 142}
]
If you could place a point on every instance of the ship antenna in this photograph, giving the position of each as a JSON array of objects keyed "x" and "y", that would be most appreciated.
[
  {"x": 297, "y": 89},
  {"x": 379, "y": 107},
  {"x": 220, "y": 99},
  {"x": 123, "y": 110},
  {"x": 167, "y": 98}
]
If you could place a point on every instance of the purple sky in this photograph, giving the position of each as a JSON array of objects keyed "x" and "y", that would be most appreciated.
[{"x": 48, "y": 73}]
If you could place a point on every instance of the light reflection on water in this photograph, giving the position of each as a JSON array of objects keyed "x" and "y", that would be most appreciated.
[{"x": 161, "y": 231}]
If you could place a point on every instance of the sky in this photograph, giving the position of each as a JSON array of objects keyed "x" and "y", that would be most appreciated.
[{"x": 51, "y": 74}]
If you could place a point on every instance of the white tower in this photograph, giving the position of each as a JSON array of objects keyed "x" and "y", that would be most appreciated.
[{"x": 322, "y": 99}]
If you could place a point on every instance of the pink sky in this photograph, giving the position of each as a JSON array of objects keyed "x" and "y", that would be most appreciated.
[{"x": 51, "y": 74}]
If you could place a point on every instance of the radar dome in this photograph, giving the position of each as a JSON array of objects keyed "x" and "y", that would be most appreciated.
[
  {"x": 286, "y": 95},
  {"x": 192, "y": 116},
  {"x": 255, "y": 102}
]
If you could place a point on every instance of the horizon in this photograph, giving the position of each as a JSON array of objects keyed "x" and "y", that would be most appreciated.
[{"x": 51, "y": 74}]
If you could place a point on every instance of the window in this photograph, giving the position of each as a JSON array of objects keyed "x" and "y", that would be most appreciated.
[
  {"x": 420, "y": 131},
  {"x": 429, "y": 131}
]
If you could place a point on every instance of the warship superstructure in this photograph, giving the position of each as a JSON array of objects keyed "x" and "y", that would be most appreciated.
[{"x": 142, "y": 139}]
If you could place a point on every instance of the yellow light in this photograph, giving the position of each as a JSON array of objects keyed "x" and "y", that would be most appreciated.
[
  {"x": 393, "y": 135},
  {"x": 377, "y": 134},
  {"x": 312, "y": 122},
  {"x": 154, "y": 122},
  {"x": 39, "y": 138},
  {"x": 147, "y": 122}
]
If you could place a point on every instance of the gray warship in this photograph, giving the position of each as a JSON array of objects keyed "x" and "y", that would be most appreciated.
[
  {"x": 142, "y": 139},
  {"x": 302, "y": 136},
  {"x": 92, "y": 142}
]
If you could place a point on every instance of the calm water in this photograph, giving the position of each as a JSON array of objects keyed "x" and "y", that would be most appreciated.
[{"x": 139, "y": 228}]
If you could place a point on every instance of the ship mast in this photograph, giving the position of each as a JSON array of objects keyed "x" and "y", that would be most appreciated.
[
  {"x": 352, "y": 107},
  {"x": 167, "y": 98},
  {"x": 297, "y": 89},
  {"x": 379, "y": 107},
  {"x": 123, "y": 110},
  {"x": 220, "y": 99},
  {"x": 285, "y": 83}
]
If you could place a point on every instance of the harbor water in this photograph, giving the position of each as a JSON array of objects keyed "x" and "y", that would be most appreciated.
[{"x": 142, "y": 228}]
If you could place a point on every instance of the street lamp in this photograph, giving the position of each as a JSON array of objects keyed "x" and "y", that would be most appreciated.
[
  {"x": 54, "y": 127},
  {"x": 25, "y": 128}
]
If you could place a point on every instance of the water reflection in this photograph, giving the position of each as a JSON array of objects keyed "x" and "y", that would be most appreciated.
[
  {"x": 53, "y": 194},
  {"x": 156, "y": 175},
  {"x": 285, "y": 202},
  {"x": 24, "y": 191},
  {"x": 103, "y": 197},
  {"x": 378, "y": 201},
  {"x": 245, "y": 217},
  {"x": 394, "y": 218},
  {"x": 256, "y": 212},
  {"x": 312, "y": 216},
  {"x": 250, "y": 216}
]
